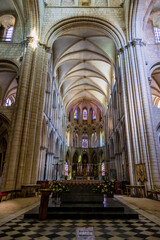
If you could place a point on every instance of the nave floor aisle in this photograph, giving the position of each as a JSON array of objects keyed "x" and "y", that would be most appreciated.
[
  {"x": 66, "y": 229},
  {"x": 147, "y": 227}
]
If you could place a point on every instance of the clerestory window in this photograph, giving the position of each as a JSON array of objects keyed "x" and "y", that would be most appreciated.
[{"x": 157, "y": 34}]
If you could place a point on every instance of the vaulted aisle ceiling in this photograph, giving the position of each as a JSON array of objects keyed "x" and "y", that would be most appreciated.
[{"x": 84, "y": 66}]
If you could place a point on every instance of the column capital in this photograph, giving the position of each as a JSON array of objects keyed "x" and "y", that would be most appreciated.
[
  {"x": 47, "y": 48},
  {"x": 30, "y": 39},
  {"x": 137, "y": 41},
  {"x": 134, "y": 42},
  {"x": 120, "y": 51}
]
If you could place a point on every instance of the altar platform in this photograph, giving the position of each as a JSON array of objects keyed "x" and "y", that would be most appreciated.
[{"x": 81, "y": 203}]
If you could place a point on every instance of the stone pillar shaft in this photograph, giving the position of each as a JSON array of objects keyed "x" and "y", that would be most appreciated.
[
  {"x": 12, "y": 158},
  {"x": 141, "y": 148}
]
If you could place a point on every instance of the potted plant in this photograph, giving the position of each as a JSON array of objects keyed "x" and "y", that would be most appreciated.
[
  {"x": 106, "y": 188},
  {"x": 57, "y": 188}
]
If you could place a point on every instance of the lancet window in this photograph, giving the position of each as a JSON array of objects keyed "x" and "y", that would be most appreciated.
[
  {"x": 85, "y": 114},
  {"x": 76, "y": 114},
  {"x": 93, "y": 115},
  {"x": 157, "y": 34},
  {"x": 85, "y": 140}
]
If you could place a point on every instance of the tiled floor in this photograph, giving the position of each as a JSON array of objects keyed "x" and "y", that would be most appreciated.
[{"x": 25, "y": 229}]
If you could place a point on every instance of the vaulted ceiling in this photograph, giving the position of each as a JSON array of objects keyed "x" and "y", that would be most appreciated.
[
  {"x": 155, "y": 84},
  {"x": 84, "y": 63}
]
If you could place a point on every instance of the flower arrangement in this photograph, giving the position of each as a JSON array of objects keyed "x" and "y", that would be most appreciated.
[
  {"x": 106, "y": 188},
  {"x": 57, "y": 187}
]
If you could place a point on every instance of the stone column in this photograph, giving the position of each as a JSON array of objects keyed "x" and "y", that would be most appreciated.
[
  {"x": 149, "y": 153},
  {"x": 45, "y": 54},
  {"x": 28, "y": 143},
  {"x": 18, "y": 130},
  {"x": 138, "y": 122}
]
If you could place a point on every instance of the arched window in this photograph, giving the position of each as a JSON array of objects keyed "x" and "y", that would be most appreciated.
[
  {"x": 7, "y": 23},
  {"x": 85, "y": 140},
  {"x": 75, "y": 139},
  {"x": 103, "y": 169},
  {"x": 67, "y": 137},
  {"x": 94, "y": 140},
  {"x": 93, "y": 115},
  {"x": 85, "y": 114},
  {"x": 157, "y": 34},
  {"x": 9, "y": 34},
  {"x": 66, "y": 169},
  {"x": 101, "y": 138},
  {"x": 8, "y": 102},
  {"x": 76, "y": 114}
]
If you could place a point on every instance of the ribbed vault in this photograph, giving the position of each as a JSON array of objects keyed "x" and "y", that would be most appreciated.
[{"x": 84, "y": 63}]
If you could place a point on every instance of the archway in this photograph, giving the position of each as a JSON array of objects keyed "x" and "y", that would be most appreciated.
[
  {"x": 155, "y": 84},
  {"x": 67, "y": 170},
  {"x": 94, "y": 165},
  {"x": 101, "y": 165},
  {"x": 85, "y": 166},
  {"x": 74, "y": 165},
  {"x": 4, "y": 128},
  {"x": 84, "y": 71},
  {"x": 8, "y": 83}
]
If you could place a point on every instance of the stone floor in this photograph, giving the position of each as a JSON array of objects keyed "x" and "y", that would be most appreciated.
[
  {"x": 148, "y": 205},
  {"x": 146, "y": 227}
]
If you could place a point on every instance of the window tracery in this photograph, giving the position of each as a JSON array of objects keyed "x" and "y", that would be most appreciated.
[
  {"x": 76, "y": 114},
  {"x": 75, "y": 139},
  {"x": 8, "y": 102},
  {"x": 7, "y": 23},
  {"x": 157, "y": 34},
  {"x": 9, "y": 34},
  {"x": 101, "y": 138},
  {"x": 94, "y": 140},
  {"x": 85, "y": 140},
  {"x": 85, "y": 114},
  {"x": 93, "y": 115}
]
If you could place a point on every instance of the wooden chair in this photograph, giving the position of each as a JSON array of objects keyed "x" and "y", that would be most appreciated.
[{"x": 118, "y": 187}]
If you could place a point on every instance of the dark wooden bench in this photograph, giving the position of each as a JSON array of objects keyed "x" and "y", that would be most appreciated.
[
  {"x": 154, "y": 194},
  {"x": 30, "y": 190},
  {"x": 3, "y": 195},
  {"x": 12, "y": 194}
]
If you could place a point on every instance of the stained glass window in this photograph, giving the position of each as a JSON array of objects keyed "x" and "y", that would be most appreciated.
[
  {"x": 85, "y": 114},
  {"x": 8, "y": 102},
  {"x": 94, "y": 140},
  {"x": 66, "y": 169},
  {"x": 93, "y": 115},
  {"x": 9, "y": 34},
  {"x": 76, "y": 142},
  {"x": 103, "y": 169},
  {"x": 76, "y": 114},
  {"x": 85, "y": 140},
  {"x": 101, "y": 139},
  {"x": 75, "y": 139},
  {"x": 84, "y": 143},
  {"x": 157, "y": 34}
]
